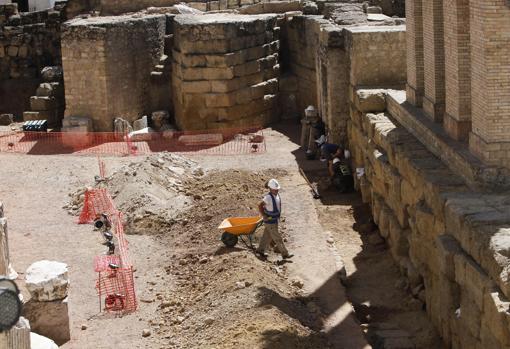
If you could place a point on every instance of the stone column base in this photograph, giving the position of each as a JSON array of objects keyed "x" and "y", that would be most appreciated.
[
  {"x": 433, "y": 110},
  {"x": 492, "y": 153},
  {"x": 457, "y": 129},
  {"x": 50, "y": 319},
  {"x": 414, "y": 96}
]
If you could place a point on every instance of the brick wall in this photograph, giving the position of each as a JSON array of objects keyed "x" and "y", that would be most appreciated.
[
  {"x": 490, "y": 82},
  {"x": 434, "y": 60},
  {"x": 457, "y": 120},
  {"x": 414, "y": 38}
]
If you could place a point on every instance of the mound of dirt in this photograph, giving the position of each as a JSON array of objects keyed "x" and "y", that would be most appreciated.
[
  {"x": 149, "y": 192},
  {"x": 208, "y": 295},
  {"x": 218, "y": 297}
]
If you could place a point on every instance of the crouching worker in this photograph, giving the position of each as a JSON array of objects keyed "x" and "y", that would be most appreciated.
[
  {"x": 340, "y": 173},
  {"x": 270, "y": 208}
]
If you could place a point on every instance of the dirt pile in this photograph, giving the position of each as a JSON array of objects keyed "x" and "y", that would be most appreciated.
[
  {"x": 149, "y": 192},
  {"x": 208, "y": 295},
  {"x": 218, "y": 297}
]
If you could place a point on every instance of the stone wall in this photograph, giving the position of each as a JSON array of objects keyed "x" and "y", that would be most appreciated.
[
  {"x": 352, "y": 57},
  {"x": 28, "y": 42},
  {"x": 108, "y": 63},
  {"x": 449, "y": 239},
  {"x": 302, "y": 44},
  {"x": 225, "y": 70},
  {"x": 117, "y": 7}
]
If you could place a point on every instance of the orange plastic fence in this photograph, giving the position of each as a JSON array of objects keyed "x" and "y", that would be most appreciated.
[
  {"x": 214, "y": 142},
  {"x": 115, "y": 282}
]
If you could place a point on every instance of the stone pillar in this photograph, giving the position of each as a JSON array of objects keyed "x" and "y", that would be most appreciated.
[
  {"x": 457, "y": 119},
  {"x": 433, "y": 48},
  {"x": 414, "y": 37},
  {"x": 47, "y": 310},
  {"x": 490, "y": 80},
  {"x": 4, "y": 248}
]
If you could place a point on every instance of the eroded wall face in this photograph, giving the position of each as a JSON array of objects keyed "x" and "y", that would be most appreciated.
[
  {"x": 448, "y": 239},
  {"x": 108, "y": 67}
]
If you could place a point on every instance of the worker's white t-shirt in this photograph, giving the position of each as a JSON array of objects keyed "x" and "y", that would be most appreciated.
[{"x": 268, "y": 202}]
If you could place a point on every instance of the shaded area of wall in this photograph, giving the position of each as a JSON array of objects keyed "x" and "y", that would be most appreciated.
[
  {"x": 28, "y": 42},
  {"x": 302, "y": 42}
]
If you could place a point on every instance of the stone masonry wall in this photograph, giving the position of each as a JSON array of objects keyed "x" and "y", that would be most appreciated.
[
  {"x": 28, "y": 42},
  {"x": 449, "y": 240},
  {"x": 107, "y": 66},
  {"x": 225, "y": 70},
  {"x": 302, "y": 40},
  {"x": 117, "y": 7}
]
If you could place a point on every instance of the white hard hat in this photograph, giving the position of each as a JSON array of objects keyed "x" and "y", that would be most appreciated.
[
  {"x": 310, "y": 111},
  {"x": 273, "y": 184},
  {"x": 321, "y": 140}
]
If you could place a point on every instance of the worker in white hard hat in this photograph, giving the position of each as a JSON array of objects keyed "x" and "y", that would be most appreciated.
[{"x": 270, "y": 208}]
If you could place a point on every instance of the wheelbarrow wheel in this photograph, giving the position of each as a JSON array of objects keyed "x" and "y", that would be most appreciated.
[{"x": 229, "y": 240}]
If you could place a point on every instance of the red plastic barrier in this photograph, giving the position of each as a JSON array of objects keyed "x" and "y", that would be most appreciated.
[
  {"x": 118, "y": 289},
  {"x": 115, "y": 283},
  {"x": 96, "y": 202},
  {"x": 213, "y": 142}
]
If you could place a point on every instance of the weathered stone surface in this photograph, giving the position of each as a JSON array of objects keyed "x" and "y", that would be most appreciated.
[
  {"x": 141, "y": 123},
  {"x": 47, "y": 280},
  {"x": 52, "y": 74},
  {"x": 370, "y": 101},
  {"x": 6, "y": 119},
  {"x": 49, "y": 319},
  {"x": 224, "y": 76},
  {"x": 121, "y": 126},
  {"x": 42, "y": 103}
]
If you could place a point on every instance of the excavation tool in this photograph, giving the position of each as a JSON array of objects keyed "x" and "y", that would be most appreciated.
[
  {"x": 235, "y": 228},
  {"x": 315, "y": 191}
]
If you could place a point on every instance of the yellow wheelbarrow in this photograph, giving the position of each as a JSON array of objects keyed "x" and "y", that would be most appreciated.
[{"x": 236, "y": 227}]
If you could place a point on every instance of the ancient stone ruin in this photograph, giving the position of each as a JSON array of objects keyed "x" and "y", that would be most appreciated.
[{"x": 421, "y": 102}]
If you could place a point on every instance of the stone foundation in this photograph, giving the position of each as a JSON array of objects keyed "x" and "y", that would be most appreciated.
[
  {"x": 446, "y": 236},
  {"x": 225, "y": 70}
]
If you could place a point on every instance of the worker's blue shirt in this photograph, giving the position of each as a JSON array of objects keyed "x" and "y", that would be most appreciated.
[{"x": 330, "y": 148}]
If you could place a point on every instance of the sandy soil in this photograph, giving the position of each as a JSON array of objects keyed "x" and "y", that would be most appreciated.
[{"x": 194, "y": 292}]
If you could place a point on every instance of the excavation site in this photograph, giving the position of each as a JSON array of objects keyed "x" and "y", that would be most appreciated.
[{"x": 270, "y": 174}]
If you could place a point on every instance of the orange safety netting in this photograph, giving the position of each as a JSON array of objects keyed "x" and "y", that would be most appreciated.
[
  {"x": 115, "y": 282},
  {"x": 212, "y": 142},
  {"x": 96, "y": 202}
]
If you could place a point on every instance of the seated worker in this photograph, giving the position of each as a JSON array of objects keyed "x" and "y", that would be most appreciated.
[
  {"x": 328, "y": 150},
  {"x": 340, "y": 172}
]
